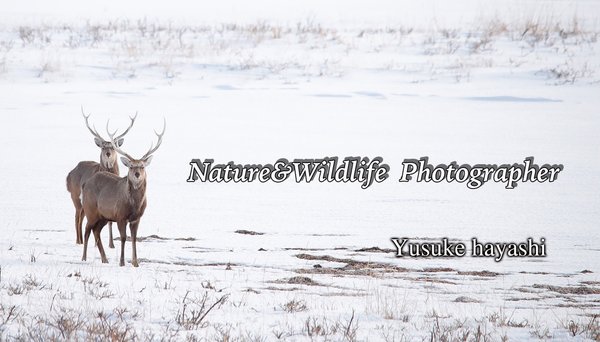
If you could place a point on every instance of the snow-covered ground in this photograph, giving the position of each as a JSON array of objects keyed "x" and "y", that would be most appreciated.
[{"x": 471, "y": 81}]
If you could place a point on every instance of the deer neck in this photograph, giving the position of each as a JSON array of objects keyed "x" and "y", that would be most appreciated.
[
  {"x": 114, "y": 169},
  {"x": 137, "y": 199}
]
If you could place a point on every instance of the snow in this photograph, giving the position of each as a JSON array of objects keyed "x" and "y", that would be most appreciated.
[{"x": 395, "y": 79}]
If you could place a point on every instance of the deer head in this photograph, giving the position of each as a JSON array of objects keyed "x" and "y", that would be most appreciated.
[
  {"x": 108, "y": 155},
  {"x": 137, "y": 173}
]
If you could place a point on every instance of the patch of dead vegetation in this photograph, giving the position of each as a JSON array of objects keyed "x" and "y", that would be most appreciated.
[
  {"x": 65, "y": 324},
  {"x": 8, "y": 313},
  {"x": 518, "y": 299},
  {"x": 153, "y": 261},
  {"x": 294, "y": 306},
  {"x": 540, "y": 273},
  {"x": 285, "y": 289},
  {"x": 484, "y": 273},
  {"x": 324, "y": 258},
  {"x": 526, "y": 290},
  {"x": 579, "y": 290},
  {"x": 435, "y": 280},
  {"x": 157, "y": 238},
  {"x": 196, "y": 249},
  {"x": 185, "y": 239},
  {"x": 247, "y": 232},
  {"x": 144, "y": 238},
  {"x": 298, "y": 280},
  {"x": 194, "y": 308},
  {"x": 416, "y": 238},
  {"x": 375, "y": 250},
  {"x": 186, "y": 263},
  {"x": 589, "y": 327},
  {"x": 340, "y": 272},
  {"x": 465, "y": 299},
  {"x": 352, "y": 267},
  {"x": 313, "y": 249},
  {"x": 342, "y": 294},
  {"x": 578, "y": 305},
  {"x": 589, "y": 282},
  {"x": 564, "y": 275},
  {"x": 351, "y": 263},
  {"x": 438, "y": 269}
]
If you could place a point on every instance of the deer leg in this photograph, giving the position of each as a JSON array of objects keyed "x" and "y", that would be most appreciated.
[
  {"x": 78, "y": 217},
  {"x": 79, "y": 227},
  {"x": 123, "y": 233},
  {"x": 97, "y": 230},
  {"x": 77, "y": 231},
  {"x": 133, "y": 226},
  {"x": 110, "y": 236},
  {"x": 88, "y": 230}
]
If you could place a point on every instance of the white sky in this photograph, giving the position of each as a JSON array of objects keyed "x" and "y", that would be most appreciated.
[{"x": 422, "y": 13}]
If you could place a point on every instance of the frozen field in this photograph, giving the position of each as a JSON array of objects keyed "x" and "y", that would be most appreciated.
[{"x": 472, "y": 82}]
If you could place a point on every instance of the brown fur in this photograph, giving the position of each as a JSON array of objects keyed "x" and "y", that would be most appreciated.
[
  {"x": 109, "y": 198},
  {"x": 75, "y": 179}
]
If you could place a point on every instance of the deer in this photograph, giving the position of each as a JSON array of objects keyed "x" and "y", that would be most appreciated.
[
  {"x": 107, "y": 197},
  {"x": 86, "y": 169}
]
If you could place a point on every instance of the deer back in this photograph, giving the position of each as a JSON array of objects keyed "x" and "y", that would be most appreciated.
[{"x": 84, "y": 171}]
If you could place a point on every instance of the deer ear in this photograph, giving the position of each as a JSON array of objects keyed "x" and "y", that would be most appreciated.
[
  {"x": 147, "y": 161},
  {"x": 126, "y": 161},
  {"x": 120, "y": 142},
  {"x": 98, "y": 142}
]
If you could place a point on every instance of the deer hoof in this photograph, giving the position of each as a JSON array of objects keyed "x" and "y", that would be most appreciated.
[
  {"x": 111, "y": 245},
  {"x": 135, "y": 263},
  {"x": 104, "y": 261}
]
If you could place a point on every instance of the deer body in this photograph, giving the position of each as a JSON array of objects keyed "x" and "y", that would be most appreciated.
[
  {"x": 75, "y": 179},
  {"x": 86, "y": 169},
  {"x": 109, "y": 198}
]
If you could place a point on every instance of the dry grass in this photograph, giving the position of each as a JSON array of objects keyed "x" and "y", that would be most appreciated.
[
  {"x": 320, "y": 51},
  {"x": 390, "y": 304},
  {"x": 8, "y": 313},
  {"x": 70, "y": 324},
  {"x": 580, "y": 290},
  {"x": 569, "y": 73},
  {"x": 441, "y": 329},
  {"x": 483, "y": 273},
  {"x": 193, "y": 309},
  {"x": 298, "y": 281},
  {"x": 323, "y": 328},
  {"x": 588, "y": 327},
  {"x": 294, "y": 306},
  {"x": 247, "y": 232}
]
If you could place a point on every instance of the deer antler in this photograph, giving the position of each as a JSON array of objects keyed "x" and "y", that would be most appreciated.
[
  {"x": 152, "y": 147},
  {"x": 112, "y": 142},
  {"x": 128, "y": 128},
  {"x": 87, "y": 124}
]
